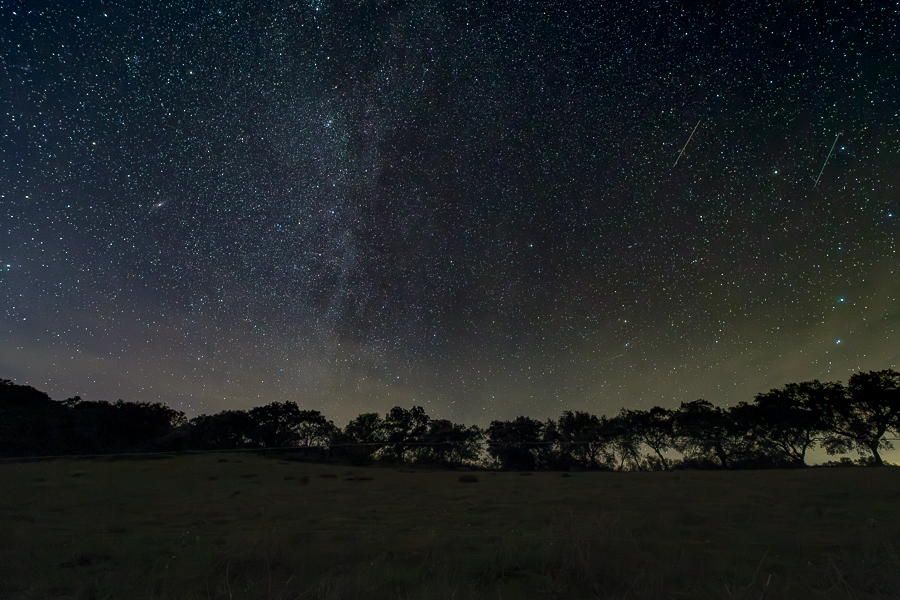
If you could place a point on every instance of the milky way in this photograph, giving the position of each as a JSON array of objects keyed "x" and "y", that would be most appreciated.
[{"x": 472, "y": 208}]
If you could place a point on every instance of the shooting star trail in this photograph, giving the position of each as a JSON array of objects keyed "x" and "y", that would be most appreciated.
[
  {"x": 826, "y": 159},
  {"x": 610, "y": 358},
  {"x": 686, "y": 143}
]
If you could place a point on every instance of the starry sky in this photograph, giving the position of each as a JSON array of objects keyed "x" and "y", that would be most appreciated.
[{"x": 488, "y": 209}]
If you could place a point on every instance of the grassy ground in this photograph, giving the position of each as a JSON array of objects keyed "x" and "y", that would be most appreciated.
[{"x": 255, "y": 527}]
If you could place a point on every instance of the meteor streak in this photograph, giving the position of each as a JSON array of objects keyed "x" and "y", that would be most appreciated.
[
  {"x": 826, "y": 159},
  {"x": 686, "y": 143}
]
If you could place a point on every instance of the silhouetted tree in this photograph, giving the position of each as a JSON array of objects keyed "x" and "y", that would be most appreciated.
[
  {"x": 703, "y": 430},
  {"x": 103, "y": 427},
  {"x": 450, "y": 443},
  {"x": 314, "y": 430},
  {"x": 29, "y": 420},
  {"x": 360, "y": 439},
  {"x": 623, "y": 452},
  {"x": 404, "y": 430},
  {"x": 227, "y": 430},
  {"x": 547, "y": 454},
  {"x": 146, "y": 426},
  {"x": 277, "y": 425},
  {"x": 745, "y": 444},
  {"x": 86, "y": 428},
  {"x": 71, "y": 402},
  {"x": 777, "y": 429},
  {"x": 516, "y": 444},
  {"x": 860, "y": 415},
  {"x": 790, "y": 420},
  {"x": 654, "y": 428},
  {"x": 583, "y": 438}
]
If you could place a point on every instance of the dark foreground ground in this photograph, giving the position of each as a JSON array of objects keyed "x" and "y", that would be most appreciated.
[{"x": 255, "y": 527}]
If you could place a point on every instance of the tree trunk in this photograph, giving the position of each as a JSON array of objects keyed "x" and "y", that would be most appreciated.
[
  {"x": 662, "y": 458},
  {"x": 803, "y": 455},
  {"x": 874, "y": 448},
  {"x": 720, "y": 452}
]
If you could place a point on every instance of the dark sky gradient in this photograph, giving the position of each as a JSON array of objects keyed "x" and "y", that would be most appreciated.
[{"x": 472, "y": 208}]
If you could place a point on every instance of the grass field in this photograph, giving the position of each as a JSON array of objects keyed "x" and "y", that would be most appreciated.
[{"x": 256, "y": 527}]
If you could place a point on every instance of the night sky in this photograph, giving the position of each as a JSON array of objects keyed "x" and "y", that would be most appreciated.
[{"x": 471, "y": 207}]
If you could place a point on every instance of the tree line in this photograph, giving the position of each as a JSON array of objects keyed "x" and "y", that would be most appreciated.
[{"x": 776, "y": 430}]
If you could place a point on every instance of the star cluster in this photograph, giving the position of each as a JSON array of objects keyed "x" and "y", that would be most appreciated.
[{"x": 474, "y": 207}]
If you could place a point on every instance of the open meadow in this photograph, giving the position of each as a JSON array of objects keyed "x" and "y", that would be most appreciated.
[{"x": 242, "y": 526}]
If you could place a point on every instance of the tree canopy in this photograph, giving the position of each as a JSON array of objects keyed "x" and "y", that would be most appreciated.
[{"x": 777, "y": 429}]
